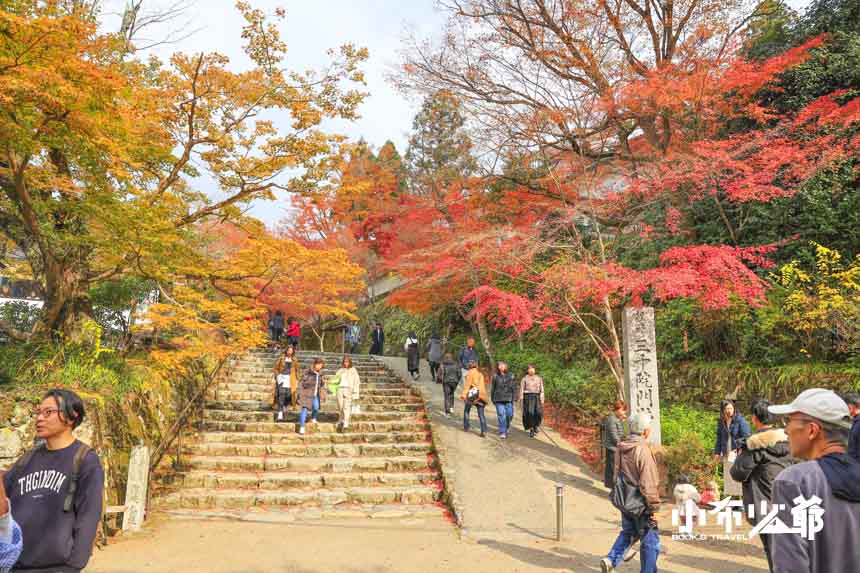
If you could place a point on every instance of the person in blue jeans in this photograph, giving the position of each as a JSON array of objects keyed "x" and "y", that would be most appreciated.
[
  {"x": 635, "y": 462},
  {"x": 502, "y": 394},
  {"x": 475, "y": 394},
  {"x": 311, "y": 393}
]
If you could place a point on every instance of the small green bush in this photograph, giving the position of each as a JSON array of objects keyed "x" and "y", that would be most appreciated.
[
  {"x": 693, "y": 457},
  {"x": 679, "y": 421}
]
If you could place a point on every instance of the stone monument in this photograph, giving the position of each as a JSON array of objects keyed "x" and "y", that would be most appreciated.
[
  {"x": 640, "y": 365},
  {"x": 135, "y": 489}
]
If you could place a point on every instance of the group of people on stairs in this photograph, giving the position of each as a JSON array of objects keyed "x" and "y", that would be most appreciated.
[{"x": 305, "y": 392}]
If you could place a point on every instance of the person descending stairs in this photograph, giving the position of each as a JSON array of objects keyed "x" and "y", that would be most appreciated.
[{"x": 243, "y": 460}]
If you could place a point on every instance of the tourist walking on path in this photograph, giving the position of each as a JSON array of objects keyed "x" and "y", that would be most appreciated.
[
  {"x": 277, "y": 326},
  {"x": 468, "y": 354},
  {"x": 732, "y": 432},
  {"x": 412, "y": 356},
  {"x": 294, "y": 332},
  {"x": 286, "y": 381},
  {"x": 503, "y": 394},
  {"x": 10, "y": 534},
  {"x": 377, "y": 339},
  {"x": 474, "y": 394},
  {"x": 531, "y": 398},
  {"x": 435, "y": 350},
  {"x": 347, "y": 391},
  {"x": 637, "y": 472},
  {"x": 853, "y": 401},
  {"x": 452, "y": 375},
  {"x": 311, "y": 393},
  {"x": 353, "y": 337},
  {"x": 757, "y": 465},
  {"x": 611, "y": 433},
  {"x": 56, "y": 490},
  {"x": 828, "y": 480}
]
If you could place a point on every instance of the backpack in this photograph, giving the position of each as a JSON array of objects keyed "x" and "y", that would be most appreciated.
[
  {"x": 69, "y": 501},
  {"x": 627, "y": 498}
]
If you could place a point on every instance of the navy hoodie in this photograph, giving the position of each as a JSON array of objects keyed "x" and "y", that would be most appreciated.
[{"x": 56, "y": 541}]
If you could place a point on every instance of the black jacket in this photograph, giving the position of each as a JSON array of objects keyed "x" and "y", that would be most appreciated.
[
  {"x": 854, "y": 439},
  {"x": 765, "y": 455},
  {"x": 504, "y": 387},
  {"x": 451, "y": 373}
]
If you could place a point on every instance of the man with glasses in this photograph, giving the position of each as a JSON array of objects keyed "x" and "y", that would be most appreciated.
[
  {"x": 56, "y": 490},
  {"x": 817, "y": 428}
]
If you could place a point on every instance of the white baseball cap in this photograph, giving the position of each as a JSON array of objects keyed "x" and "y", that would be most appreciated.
[{"x": 818, "y": 403}]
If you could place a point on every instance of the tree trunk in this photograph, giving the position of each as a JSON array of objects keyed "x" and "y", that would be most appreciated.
[
  {"x": 66, "y": 301},
  {"x": 484, "y": 334},
  {"x": 615, "y": 358}
]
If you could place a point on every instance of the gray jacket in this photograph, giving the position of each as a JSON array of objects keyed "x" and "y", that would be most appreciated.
[
  {"x": 612, "y": 432},
  {"x": 435, "y": 350},
  {"x": 835, "y": 548}
]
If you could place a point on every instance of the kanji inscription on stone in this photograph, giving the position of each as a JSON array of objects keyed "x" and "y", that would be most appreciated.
[{"x": 640, "y": 365}]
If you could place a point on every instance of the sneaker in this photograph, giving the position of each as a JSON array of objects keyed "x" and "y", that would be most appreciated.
[
  {"x": 632, "y": 551},
  {"x": 606, "y": 566},
  {"x": 314, "y": 421},
  {"x": 503, "y": 436},
  {"x": 302, "y": 430},
  {"x": 280, "y": 416},
  {"x": 483, "y": 435}
]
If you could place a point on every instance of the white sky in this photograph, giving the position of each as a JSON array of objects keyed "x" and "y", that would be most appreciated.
[{"x": 311, "y": 28}]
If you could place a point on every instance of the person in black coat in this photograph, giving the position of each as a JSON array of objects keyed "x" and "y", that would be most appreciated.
[
  {"x": 377, "y": 338},
  {"x": 765, "y": 454},
  {"x": 732, "y": 430},
  {"x": 853, "y": 401},
  {"x": 451, "y": 377},
  {"x": 611, "y": 433},
  {"x": 503, "y": 393}
]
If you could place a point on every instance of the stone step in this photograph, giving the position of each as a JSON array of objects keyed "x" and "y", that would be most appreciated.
[
  {"x": 195, "y": 498},
  {"x": 328, "y": 464},
  {"x": 325, "y": 428},
  {"x": 296, "y": 480},
  {"x": 325, "y": 415},
  {"x": 308, "y": 450},
  {"x": 366, "y": 405},
  {"x": 365, "y": 395},
  {"x": 291, "y": 515},
  {"x": 267, "y": 386},
  {"x": 350, "y": 437}
]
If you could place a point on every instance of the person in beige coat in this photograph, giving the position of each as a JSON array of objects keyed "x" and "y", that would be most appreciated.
[
  {"x": 347, "y": 392},
  {"x": 286, "y": 381}
]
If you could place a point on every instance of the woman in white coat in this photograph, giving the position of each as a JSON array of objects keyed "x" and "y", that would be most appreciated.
[{"x": 347, "y": 392}]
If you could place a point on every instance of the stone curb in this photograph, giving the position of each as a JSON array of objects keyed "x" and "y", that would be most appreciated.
[{"x": 449, "y": 490}]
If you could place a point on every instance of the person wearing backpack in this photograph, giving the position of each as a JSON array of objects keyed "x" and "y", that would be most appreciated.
[
  {"x": 451, "y": 376},
  {"x": 56, "y": 490},
  {"x": 636, "y": 495}
]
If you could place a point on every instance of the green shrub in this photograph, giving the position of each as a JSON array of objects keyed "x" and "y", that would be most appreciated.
[
  {"x": 693, "y": 457},
  {"x": 679, "y": 421}
]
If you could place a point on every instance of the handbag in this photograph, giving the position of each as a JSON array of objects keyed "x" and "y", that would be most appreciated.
[
  {"x": 627, "y": 498},
  {"x": 333, "y": 384}
]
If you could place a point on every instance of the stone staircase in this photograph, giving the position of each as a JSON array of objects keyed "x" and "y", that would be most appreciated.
[{"x": 242, "y": 461}]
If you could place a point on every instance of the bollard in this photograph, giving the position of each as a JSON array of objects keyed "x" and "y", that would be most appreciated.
[{"x": 559, "y": 511}]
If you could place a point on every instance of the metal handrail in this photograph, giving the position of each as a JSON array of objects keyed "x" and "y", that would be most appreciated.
[{"x": 176, "y": 428}]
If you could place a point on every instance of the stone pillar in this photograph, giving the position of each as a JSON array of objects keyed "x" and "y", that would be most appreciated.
[
  {"x": 640, "y": 365},
  {"x": 135, "y": 489}
]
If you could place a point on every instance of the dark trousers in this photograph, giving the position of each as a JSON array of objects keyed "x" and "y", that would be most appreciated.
[
  {"x": 434, "y": 368},
  {"x": 481, "y": 416},
  {"x": 448, "y": 390},
  {"x": 532, "y": 412},
  {"x": 277, "y": 333},
  {"x": 768, "y": 547},
  {"x": 609, "y": 469},
  {"x": 284, "y": 398},
  {"x": 293, "y": 341}
]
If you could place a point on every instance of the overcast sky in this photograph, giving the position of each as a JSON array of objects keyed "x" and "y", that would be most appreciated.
[{"x": 311, "y": 28}]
